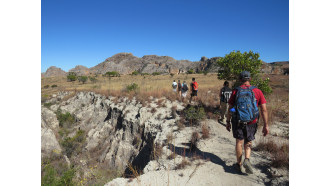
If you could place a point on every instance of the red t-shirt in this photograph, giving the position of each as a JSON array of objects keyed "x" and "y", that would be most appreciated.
[{"x": 257, "y": 93}]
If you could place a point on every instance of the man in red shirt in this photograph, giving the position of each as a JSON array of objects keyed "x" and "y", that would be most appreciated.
[{"x": 244, "y": 133}]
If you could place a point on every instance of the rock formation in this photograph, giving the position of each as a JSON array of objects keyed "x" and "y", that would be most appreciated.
[{"x": 54, "y": 72}]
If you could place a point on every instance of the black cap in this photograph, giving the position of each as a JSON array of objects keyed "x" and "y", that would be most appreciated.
[{"x": 245, "y": 75}]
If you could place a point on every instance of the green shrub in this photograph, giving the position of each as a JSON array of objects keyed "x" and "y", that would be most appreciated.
[
  {"x": 48, "y": 104},
  {"x": 72, "y": 76},
  {"x": 73, "y": 144},
  {"x": 194, "y": 114},
  {"x": 65, "y": 120},
  {"x": 92, "y": 79},
  {"x": 135, "y": 73},
  {"x": 46, "y": 86},
  {"x": 50, "y": 176},
  {"x": 205, "y": 72},
  {"x": 132, "y": 87},
  {"x": 53, "y": 86},
  {"x": 155, "y": 73},
  {"x": 263, "y": 85},
  {"x": 190, "y": 71},
  {"x": 82, "y": 79},
  {"x": 112, "y": 74}
]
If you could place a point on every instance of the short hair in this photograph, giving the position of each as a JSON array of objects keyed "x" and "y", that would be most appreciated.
[
  {"x": 193, "y": 79},
  {"x": 173, "y": 80},
  {"x": 226, "y": 83},
  {"x": 178, "y": 80}
]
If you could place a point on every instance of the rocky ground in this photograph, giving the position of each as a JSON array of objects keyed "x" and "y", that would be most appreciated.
[{"x": 147, "y": 144}]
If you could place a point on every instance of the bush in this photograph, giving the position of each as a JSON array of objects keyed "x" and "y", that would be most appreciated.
[
  {"x": 53, "y": 86},
  {"x": 48, "y": 104},
  {"x": 194, "y": 114},
  {"x": 135, "y": 73},
  {"x": 132, "y": 87},
  {"x": 73, "y": 144},
  {"x": 52, "y": 177},
  {"x": 92, "y": 79},
  {"x": 46, "y": 86},
  {"x": 65, "y": 120},
  {"x": 82, "y": 79},
  {"x": 72, "y": 76},
  {"x": 205, "y": 72},
  {"x": 112, "y": 74},
  {"x": 263, "y": 85},
  {"x": 155, "y": 73},
  {"x": 190, "y": 71}
]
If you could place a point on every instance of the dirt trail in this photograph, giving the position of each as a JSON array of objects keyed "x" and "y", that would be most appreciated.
[{"x": 214, "y": 168}]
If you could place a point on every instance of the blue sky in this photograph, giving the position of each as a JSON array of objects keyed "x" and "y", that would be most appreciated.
[{"x": 86, "y": 32}]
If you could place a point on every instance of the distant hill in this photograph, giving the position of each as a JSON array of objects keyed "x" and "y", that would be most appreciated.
[{"x": 126, "y": 63}]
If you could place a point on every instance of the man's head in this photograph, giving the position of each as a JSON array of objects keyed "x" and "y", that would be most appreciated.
[
  {"x": 179, "y": 81},
  {"x": 193, "y": 79},
  {"x": 173, "y": 80},
  {"x": 184, "y": 82},
  {"x": 245, "y": 76},
  {"x": 226, "y": 84}
]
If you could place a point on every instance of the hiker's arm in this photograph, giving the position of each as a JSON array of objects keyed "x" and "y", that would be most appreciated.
[
  {"x": 264, "y": 115},
  {"x": 228, "y": 126}
]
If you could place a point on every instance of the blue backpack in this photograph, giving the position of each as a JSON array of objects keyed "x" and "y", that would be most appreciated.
[{"x": 245, "y": 105}]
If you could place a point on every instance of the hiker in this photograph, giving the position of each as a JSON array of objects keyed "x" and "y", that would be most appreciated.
[
  {"x": 184, "y": 90},
  {"x": 179, "y": 88},
  {"x": 224, "y": 95},
  {"x": 174, "y": 85},
  {"x": 193, "y": 88},
  {"x": 243, "y": 116}
]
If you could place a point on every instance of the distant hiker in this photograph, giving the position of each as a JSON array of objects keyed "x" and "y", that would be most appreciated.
[
  {"x": 193, "y": 88},
  {"x": 224, "y": 95},
  {"x": 179, "y": 88},
  {"x": 243, "y": 116},
  {"x": 174, "y": 85},
  {"x": 184, "y": 90}
]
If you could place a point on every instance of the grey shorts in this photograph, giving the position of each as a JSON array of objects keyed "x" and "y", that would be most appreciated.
[{"x": 245, "y": 132}]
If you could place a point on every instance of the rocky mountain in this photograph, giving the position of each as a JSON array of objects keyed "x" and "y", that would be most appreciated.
[
  {"x": 126, "y": 63},
  {"x": 80, "y": 70},
  {"x": 54, "y": 72}
]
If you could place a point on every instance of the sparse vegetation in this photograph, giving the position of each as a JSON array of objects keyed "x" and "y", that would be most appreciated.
[
  {"x": 73, "y": 144},
  {"x": 190, "y": 71},
  {"x": 54, "y": 86},
  {"x": 65, "y": 120},
  {"x": 46, "y": 86},
  {"x": 194, "y": 114},
  {"x": 155, "y": 73},
  {"x": 51, "y": 176},
  {"x": 132, "y": 87},
  {"x": 112, "y": 74},
  {"x": 83, "y": 79},
  {"x": 71, "y": 77},
  {"x": 205, "y": 131}
]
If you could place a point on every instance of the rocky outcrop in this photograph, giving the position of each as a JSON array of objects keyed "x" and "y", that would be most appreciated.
[
  {"x": 126, "y": 63},
  {"x": 54, "y": 72},
  {"x": 80, "y": 70},
  {"x": 281, "y": 67},
  {"x": 49, "y": 125}
]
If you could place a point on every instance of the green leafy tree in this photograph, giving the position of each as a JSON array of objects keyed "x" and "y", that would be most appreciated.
[
  {"x": 112, "y": 74},
  {"x": 92, "y": 79},
  {"x": 155, "y": 73},
  {"x": 235, "y": 62},
  {"x": 83, "y": 79},
  {"x": 72, "y": 76}
]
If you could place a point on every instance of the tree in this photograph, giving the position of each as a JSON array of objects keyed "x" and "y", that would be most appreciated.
[
  {"x": 135, "y": 73},
  {"x": 92, "y": 79},
  {"x": 72, "y": 76},
  {"x": 82, "y": 79},
  {"x": 112, "y": 74},
  {"x": 235, "y": 62}
]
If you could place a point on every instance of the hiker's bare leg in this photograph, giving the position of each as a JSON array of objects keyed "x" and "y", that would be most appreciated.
[
  {"x": 247, "y": 149},
  {"x": 239, "y": 150}
]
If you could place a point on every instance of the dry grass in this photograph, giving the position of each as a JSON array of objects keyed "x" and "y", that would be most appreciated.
[
  {"x": 279, "y": 152},
  {"x": 194, "y": 139},
  {"x": 205, "y": 131},
  {"x": 183, "y": 164}
]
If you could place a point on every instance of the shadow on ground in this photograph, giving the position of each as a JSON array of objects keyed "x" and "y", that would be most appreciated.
[{"x": 194, "y": 152}]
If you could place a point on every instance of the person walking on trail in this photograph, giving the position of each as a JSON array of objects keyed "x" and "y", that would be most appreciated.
[
  {"x": 184, "y": 90},
  {"x": 179, "y": 88},
  {"x": 243, "y": 116},
  {"x": 194, "y": 89},
  {"x": 174, "y": 85},
  {"x": 224, "y": 95}
]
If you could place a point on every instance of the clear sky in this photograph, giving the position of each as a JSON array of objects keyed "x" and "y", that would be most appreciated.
[{"x": 86, "y": 32}]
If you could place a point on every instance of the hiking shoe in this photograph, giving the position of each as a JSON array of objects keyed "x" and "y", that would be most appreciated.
[
  {"x": 238, "y": 168},
  {"x": 248, "y": 167}
]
